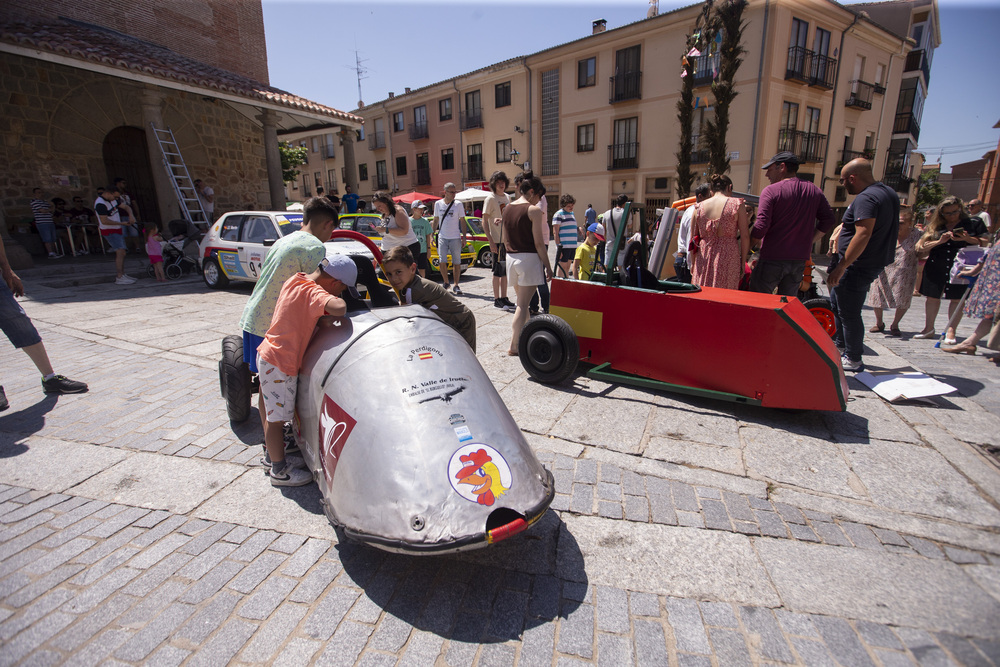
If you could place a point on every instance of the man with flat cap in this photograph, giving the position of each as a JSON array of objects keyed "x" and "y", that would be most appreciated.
[{"x": 792, "y": 214}]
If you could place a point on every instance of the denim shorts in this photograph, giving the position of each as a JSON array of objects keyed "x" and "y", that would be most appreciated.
[
  {"x": 14, "y": 321},
  {"x": 451, "y": 247},
  {"x": 47, "y": 230},
  {"x": 116, "y": 241}
]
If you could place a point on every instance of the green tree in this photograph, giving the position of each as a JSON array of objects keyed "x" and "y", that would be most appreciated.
[
  {"x": 727, "y": 19},
  {"x": 291, "y": 157},
  {"x": 929, "y": 192},
  {"x": 685, "y": 106}
]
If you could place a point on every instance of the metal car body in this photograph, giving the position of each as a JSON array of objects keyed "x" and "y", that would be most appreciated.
[
  {"x": 480, "y": 244},
  {"x": 427, "y": 459},
  {"x": 235, "y": 246},
  {"x": 370, "y": 224}
]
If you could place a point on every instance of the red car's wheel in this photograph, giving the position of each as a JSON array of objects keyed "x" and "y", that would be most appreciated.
[{"x": 823, "y": 312}]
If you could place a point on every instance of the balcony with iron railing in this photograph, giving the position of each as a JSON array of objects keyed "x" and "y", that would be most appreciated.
[
  {"x": 381, "y": 182},
  {"x": 906, "y": 123},
  {"x": 810, "y": 68},
  {"x": 898, "y": 182},
  {"x": 326, "y": 151},
  {"x": 808, "y": 146},
  {"x": 472, "y": 170},
  {"x": 847, "y": 156},
  {"x": 705, "y": 69},
  {"x": 917, "y": 61},
  {"x": 879, "y": 89},
  {"x": 418, "y": 130},
  {"x": 626, "y": 86},
  {"x": 699, "y": 150},
  {"x": 423, "y": 176},
  {"x": 623, "y": 156},
  {"x": 861, "y": 95},
  {"x": 823, "y": 71},
  {"x": 376, "y": 140},
  {"x": 470, "y": 119}
]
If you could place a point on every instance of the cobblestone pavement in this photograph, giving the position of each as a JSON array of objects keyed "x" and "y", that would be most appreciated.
[{"x": 134, "y": 528}]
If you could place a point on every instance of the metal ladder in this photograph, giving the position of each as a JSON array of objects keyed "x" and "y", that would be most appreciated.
[{"x": 187, "y": 196}]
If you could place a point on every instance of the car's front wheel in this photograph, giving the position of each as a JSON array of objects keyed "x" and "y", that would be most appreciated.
[
  {"x": 234, "y": 379},
  {"x": 213, "y": 275},
  {"x": 548, "y": 349},
  {"x": 485, "y": 258}
]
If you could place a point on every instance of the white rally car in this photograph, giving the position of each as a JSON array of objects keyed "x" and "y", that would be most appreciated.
[{"x": 237, "y": 243}]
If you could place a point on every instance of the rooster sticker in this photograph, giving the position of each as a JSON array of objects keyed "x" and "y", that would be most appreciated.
[{"x": 479, "y": 474}]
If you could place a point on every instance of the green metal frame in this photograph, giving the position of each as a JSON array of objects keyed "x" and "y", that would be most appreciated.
[{"x": 604, "y": 372}]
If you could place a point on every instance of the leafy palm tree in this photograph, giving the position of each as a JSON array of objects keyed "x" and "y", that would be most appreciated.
[
  {"x": 685, "y": 106},
  {"x": 727, "y": 19}
]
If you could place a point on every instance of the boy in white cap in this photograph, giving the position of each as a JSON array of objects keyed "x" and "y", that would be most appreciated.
[{"x": 303, "y": 300}]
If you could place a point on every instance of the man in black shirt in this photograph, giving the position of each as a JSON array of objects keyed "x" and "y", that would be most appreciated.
[{"x": 866, "y": 245}]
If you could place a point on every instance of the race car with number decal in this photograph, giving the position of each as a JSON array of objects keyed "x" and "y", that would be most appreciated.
[
  {"x": 412, "y": 447},
  {"x": 235, "y": 247}
]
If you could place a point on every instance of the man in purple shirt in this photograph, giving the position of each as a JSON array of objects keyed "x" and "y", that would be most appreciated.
[{"x": 786, "y": 221}]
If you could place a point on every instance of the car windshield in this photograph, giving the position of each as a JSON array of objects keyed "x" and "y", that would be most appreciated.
[
  {"x": 289, "y": 222},
  {"x": 475, "y": 224}
]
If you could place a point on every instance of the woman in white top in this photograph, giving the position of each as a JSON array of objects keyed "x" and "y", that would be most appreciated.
[{"x": 395, "y": 224}]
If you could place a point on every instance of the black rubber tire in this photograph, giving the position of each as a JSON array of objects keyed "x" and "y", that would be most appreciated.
[
  {"x": 822, "y": 310},
  {"x": 234, "y": 379},
  {"x": 174, "y": 272},
  {"x": 213, "y": 275},
  {"x": 548, "y": 349},
  {"x": 485, "y": 258},
  {"x": 151, "y": 271}
]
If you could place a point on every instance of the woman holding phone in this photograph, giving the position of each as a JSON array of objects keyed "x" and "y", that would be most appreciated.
[{"x": 949, "y": 231}]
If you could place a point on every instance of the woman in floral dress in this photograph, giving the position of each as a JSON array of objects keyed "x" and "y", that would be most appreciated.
[
  {"x": 720, "y": 238},
  {"x": 894, "y": 286},
  {"x": 983, "y": 301}
]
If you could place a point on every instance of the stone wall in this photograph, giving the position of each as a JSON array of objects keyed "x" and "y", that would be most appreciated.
[
  {"x": 54, "y": 118},
  {"x": 225, "y": 33}
]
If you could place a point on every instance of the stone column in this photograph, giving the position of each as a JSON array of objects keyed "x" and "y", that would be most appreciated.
[
  {"x": 350, "y": 166},
  {"x": 272, "y": 157},
  {"x": 152, "y": 116}
]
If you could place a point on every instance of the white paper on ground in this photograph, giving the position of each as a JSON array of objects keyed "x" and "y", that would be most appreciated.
[{"x": 903, "y": 384}]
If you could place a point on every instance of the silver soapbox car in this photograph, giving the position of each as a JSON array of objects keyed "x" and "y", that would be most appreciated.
[{"x": 411, "y": 445}]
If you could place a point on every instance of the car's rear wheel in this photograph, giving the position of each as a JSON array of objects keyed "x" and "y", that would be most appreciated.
[
  {"x": 213, "y": 275},
  {"x": 548, "y": 349},
  {"x": 485, "y": 258},
  {"x": 174, "y": 272},
  {"x": 822, "y": 310},
  {"x": 234, "y": 379}
]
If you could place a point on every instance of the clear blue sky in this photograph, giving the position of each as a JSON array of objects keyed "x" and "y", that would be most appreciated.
[{"x": 311, "y": 52}]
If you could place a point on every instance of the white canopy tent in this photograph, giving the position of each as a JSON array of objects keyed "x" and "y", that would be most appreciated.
[{"x": 472, "y": 194}]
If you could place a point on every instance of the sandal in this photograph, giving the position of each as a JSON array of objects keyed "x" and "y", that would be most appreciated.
[
  {"x": 878, "y": 328},
  {"x": 959, "y": 349},
  {"x": 894, "y": 331}
]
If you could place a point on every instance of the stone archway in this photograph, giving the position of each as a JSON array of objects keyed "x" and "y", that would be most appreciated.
[{"x": 126, "y": 155}]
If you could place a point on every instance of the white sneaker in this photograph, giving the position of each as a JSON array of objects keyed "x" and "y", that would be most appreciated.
[
  {"x": 128, "y": 278},
  {"x": 54, "y": 255},
  {"x": 852, "y": 366},
  {"x": 290, "y": 477},
  {"x": 124, "y": 280}
]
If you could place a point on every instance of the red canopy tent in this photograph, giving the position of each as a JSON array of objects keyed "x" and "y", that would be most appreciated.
[{"x": 411, "y": 197}]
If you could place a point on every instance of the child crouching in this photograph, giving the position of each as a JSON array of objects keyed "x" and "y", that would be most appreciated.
[
  {"x": 401, "y": 271},
  {"x": 303, "y": 300}
]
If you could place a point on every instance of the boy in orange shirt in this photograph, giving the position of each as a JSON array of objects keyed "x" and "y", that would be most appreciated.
[{"x": 303, "y": 300}]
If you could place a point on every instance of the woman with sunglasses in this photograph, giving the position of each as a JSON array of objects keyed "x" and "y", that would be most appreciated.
[
  {"x": 949, "y": 231},
  {"x": 396, "y": 228}
]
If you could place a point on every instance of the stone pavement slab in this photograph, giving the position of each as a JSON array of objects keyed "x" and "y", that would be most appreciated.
[
  {"x": 42, "y": 463},
  {"x": 879, "y": 587}
]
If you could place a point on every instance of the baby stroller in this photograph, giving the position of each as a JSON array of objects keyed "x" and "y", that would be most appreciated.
[{"x": 180, "y": 252}]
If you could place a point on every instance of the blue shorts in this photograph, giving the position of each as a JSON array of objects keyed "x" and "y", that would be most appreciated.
[
  {"x": 451, "y": 247},
  {"x": 250, "y": 344},
  {"x": 47, "y": 230},
  {"x": 116, "y": 241},
  {"x": 14, "y": 321}
]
